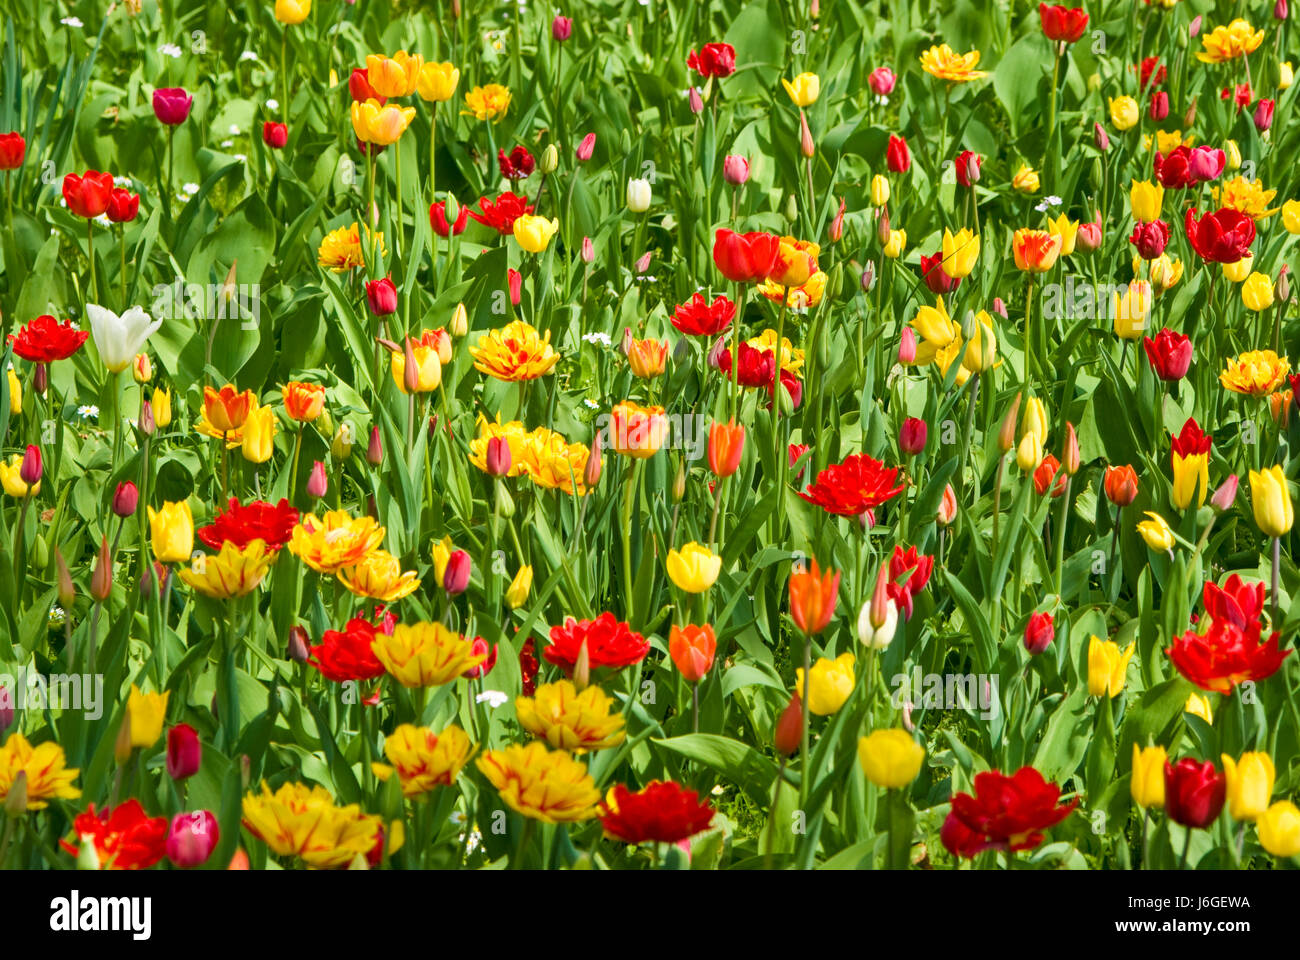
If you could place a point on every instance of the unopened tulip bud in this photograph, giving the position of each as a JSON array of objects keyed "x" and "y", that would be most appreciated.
[
  {"x": 1007, "y": 433},
  {"x": 456, "y": 578},
  {"x": 16, "y": 799},
  {"x": 879, "y": 608},
  {"x": 912, "y": 436},
  {"x": 869, "y": 277},
  {"x": 1282, "y": 289},
  {"x": 1280, "y": 10},
  {"x": 947, "y": 506},
  {"x": 561, "y": 29},
  {"x": 299, "y": 647},
  {"x": 882, "y": 227},
  {"x": 66, "y": 590},
  {"x": 789, "y": 728},
  {"x": 498, "y": 456},
  {"x": 41, "y": 378},
  {"x": 375, "y": 452},
  {"x": 907, "y": 347},
  {"x": 679, "y": 482},
  {"x": 6, "y": 709},
  {"x": 1100, "y": 137},
  {"x": 586, "y": 148},
  {"x": 317, "y": 481},
  {"x": 410, "y": 368},
  {"x": 1189, "y": 117},
  {"x": 515, "y": 281},
  {"x": 184, "y": 752},
  {"x": 791, "y": 208},
  {"x": 1194, "y": 29},
  {"x": 588, "y": 250},
  {"x": 459, "y": 325},
  {"x": 643, "y": 264},
  {"x": 141, "y": 368},
  {"x": 101, "y": 577},
  {"x": 505, "y": 504},
  {"x": 1223, "y": 497},
  {"x": 735, "y": 170},
  {"x": 591, "y": 472},
  {"x": 806, "y": 145},
  {"x": 1159, "y": 108},
  {"x": 31, "y": 468},
  {"x": 1070, "y": 452},
  {"x": 549, "y": 160},
  {"x": 341, "y": 445},
  {"x": 697, "y": 104},
  {"x": 125, "y": 499},
  {"x": 582, "y": 668},
  {"x": 1264, "y": 115}
]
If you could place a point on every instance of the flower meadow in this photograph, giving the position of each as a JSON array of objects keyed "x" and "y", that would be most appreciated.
[{"x": 657, "y": 435}]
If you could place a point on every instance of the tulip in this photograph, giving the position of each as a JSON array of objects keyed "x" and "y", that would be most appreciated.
[
  {"x": 160, "y": 403},
  {"x": 878, "y": 619},
  {"x": 897, "y": 156},
  {"x": 31, "y": 468},
  {"x": 171, "y": 532},
  {"x": 1147, "y": 783},
  {"x": 789, "y": 727},
  {"x": 1035, "y": 251},
  {"x": 812, "y": 598},
  {"x": 1249, "y": 784},
  {"x": 726, "y": 446},
  {"x": 638, "y": 195},
  {"x": 275, "y": 135},
  {"x": 880, "y": 190},
  {"x": 1025, "y": 180},
  {"x": 534, "y": 233},
  {"x": 171, "y": 105},
  {"x": 184, "y": 752},
  {"x": 1226, "y": 495},
  {"x": 1150, "y": 239},
  {"x": 1286, "y": 75},
  {"x": 692, "y": 649},
  {"x": 912, "y": 436},
  {"x": 896, "y": 244},
  {"x": 456, "y": 578},
  {"x": 1279, "y": 829},
  {"x": 123, "y": 206},
  {"x": 947, "y": 506},
  {"x": 803, "y": 90},
  {"x": 381, "y": 297},
  {"x": 191, "y": 838},
  {"x": 1100, "y": 137},
  {"x": 292, "y": 11},
  {"x": 962, "y": 252},
  {"x": 125, "y": 499},
  {"x": 119, "y": 338},
  {"x": 13, "y": 150},
  {"x": 882, "y": 81},
  {"x": 1107, "y": 666},
  {"x": 1170, "y": 354},
  {"x": 829, "y": 683},
  {"x": 1156, "y": 532},
  {"x": 517, "y": 592},
  {"x": 1194, "y": 792},
  {"x": 696, "y": 101},
  {"x": 1159, "y": 108},
  {"x": 561, "y": 28},
  {"x": 1124, "y": 113},
  {"x": 694, "y": 568},
  {"x": 436, "y": 82},
  {"x": 1271, "y": 498},
  {"x": 907, "y": 347},
  {"x": 1146, "y": 199},
  {"x": 258, "y": 444},
  {"x": 7, "y": 713},
  {"x": 1264, "y": 115},
  {"x": 1039, "y": 633},
  {"x": 497, "y": 457},
  {"x": 891, "y": 759},
  {"x": 1089, "y": 237},
  {"x": 735, "y": 170},
  {"x": 1257, "y": 292}
]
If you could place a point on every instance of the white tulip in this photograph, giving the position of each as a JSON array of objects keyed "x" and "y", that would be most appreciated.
[
  {"x": 871, "y": 637},
  {"x": 638, "y": 195},
  {"x": 119, "y": 339}
]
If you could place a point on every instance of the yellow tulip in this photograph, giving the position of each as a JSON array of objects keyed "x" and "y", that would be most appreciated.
[
  {"x": 1250, "y": 784},
  {"x": 982, "y": 348},
  {"x": 517, "y": 593},
  {"x": 1147, "y": 784},
  {"x": 960, "y": 252},
  {"x": 396, "y": 76},
  {"x": 1145, "y": 199},
  {"x": 146, "y": 712},
  {"x": 374, "y": 123},
  {"x": 161, "y": 401},
  {"x": 1156, "y": 533},
  {"x": 487, "y": 103},
  {"x": 1067, "y": 230},
  {"x": 1034, "y": 419},
  {"x": 1279, "y": 829},
  {"x": 437, "y": 82},
  {"x": 1257, "y": 292},
  {"x": 1107, "y": 665},
  {"x": 1286, "y": 76},
  {"x": 234, "y": 572},
  {"x": 1132, "y": 310},
  {"x": 1291, "y": 216},
  {"x": 1199, "y": 706},
  {"x": 896, "y": 245},
  {"x": 258, "y": 442},
  {"x": 1025, "y": 180},
  {"x": 890, "y": 758},
  {"x": 1029, "y": 453},
  {"x": 1271, "y": 498},
  {"x": 1191, "y": 471},
  {"x": 15, "y": 394},
  {"x": 292, "y": 11},
  {"x": 534, "y": 233},
  {"x": 1233, "y": 154},
  {"x": 694, "y": 567},
  {"x": 12, "y": 481},
  {"x": 880, "y": 190},
  {"x": 1239, "y": 271},
  {"x": 171, "y": 532},
  {"x": 804, "y": 89},
  {"x": 829, "y": 685},
  {"x": 1124, "y": 113}
]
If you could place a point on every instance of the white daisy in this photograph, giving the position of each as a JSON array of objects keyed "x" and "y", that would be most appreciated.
[
  {"x": 72, "y": 22},
  {"x": 273, "y": 104},
  {"x": 247, "y": 55},
  {"x": 170, "y": 50},
  {"x": 88, "y": 411},
  {"x": 493, "y": 698}
]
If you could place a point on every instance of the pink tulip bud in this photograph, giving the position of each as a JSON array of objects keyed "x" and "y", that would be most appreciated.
[
  {"x": 907, "y": 347},
  {"x": 626, "y": 343},
  {"x": 6, "y": 709},
  {"x": 31, "y": 470},
  {"x": 868, "y": 276},
  {"x": 126, "y": 498},
  {"x": 375, "y": 452},
  {"x": 586, "y": 148},
  {"x": 1224, "y": 496},
  {"x": 455, "y": 579},
  {"x": 588, "y": 250},
  {"x": 806, "y": 145},
  {"x": 1100, "y": 137},
  {"x": 882, "y": 81},
  {"x": 999, "y": 307},
  {"x": 171, "y": 105},
  {"x": 1280, "y": 10},
  {"x": 184, "y": 752},
  {"x": 1264, "y": 115},
  {"x": 299, "y": 650},
  {"x": 498, "y": 456},
  {"x": 591, "y": 473},
  {"x": 192, "y": 838},
  {"x": 735, "y": 170},
  {"x": 317, "y": 481},
  {"x": 515, "y": 281},
  {"x": 1089, "y": 237},
  {"x": 1195, "y": 28},
  {"x": 561, "y": 29},
  {"x": 912, "y": 436},
  {"x": 697, "y": 104},
  {"x": 147, "y": 425},
  {"x": 880, "y": 598}
]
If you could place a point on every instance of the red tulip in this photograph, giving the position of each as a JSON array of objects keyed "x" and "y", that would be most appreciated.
[
  {"x": 1004, "y": 813},
  {"x": 125, "y": 499},
  {"x": 659, "y": 813},
  {"x": 1194, "y": 792},
  {"x": 1170, "y": 354},
  {"x": 518, "y": 164},
  {"x": 88, "y": 195},
  {"x": 275, "y": 135},
  {"x": 897, "y": 156},
  {"x": 1150, "y": 239},
  {"x": 935, "y": 277},
  {"x": 1159, "y": 108},
  {"x": 849, "y": 488},
  {"x": 967, "y": 167},
  {"x": 789, "y": 727},
  {"x": 184, "y": 752},
  {"x": 479, "y": 648},
  {"x": 561, "y": 29},
  {"x": 1221, "y": 237},
  {"x": 882, "y": 81},
  {"x": 1264, "y": 115},
  {"x": 381, "y": 296},
  {"x": 744, "y": 257},
  {"x": 192, "y": 838},
  {"x": 1063, "y": 24},
  {"x": 455, "y": 579},
  {"x": 441, "y": 226},
  {"x": 1039, "y": 633},
  {"x": 713, "y": 60},
  {"x": 13, "y": 149},
  {"x": 123, "y": 205},
  {"x": 360, "y": 88},
  {"x": 912, "y": 436}
]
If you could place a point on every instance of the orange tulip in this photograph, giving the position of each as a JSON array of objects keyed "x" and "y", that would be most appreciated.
[
  {"x": 1036, "y": 250},
  {"x": 1121, "y": 485},
  {"x": 303, "y": 401},
  {"x": 812, "y": 598},
  {"x": 227, "y": 409},
  {"x": 647, "y": 358},
  {"x": 726, "y": 445},
  {"x": 692, "y": 649}
]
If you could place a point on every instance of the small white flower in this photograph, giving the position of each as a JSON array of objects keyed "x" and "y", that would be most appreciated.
[
  {"x": 57, "y": 616},
  {"x": 88, "y": 412},
  {"x": 103, "y": 221},
  {"x": 234, "y": 128},
  {"x": 457, "y": 817},
  {"x": 247, "y": 55},
  {"x": 599, "y": 338},
  {"x": 227, "y": 143},
  {"x": 273, "y": 104},
  {"x": 591, "y": 404},
  {"x": 1048, "y": 203},
  {"x": 493, "y": 698},
  {"x": 170, "y": 50},
  {"x": 122, "y": 181},
  {"x": 72, "y": 22},
  {"x": 241, "y": 157},
  {"x": 190, "y": 189}
]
